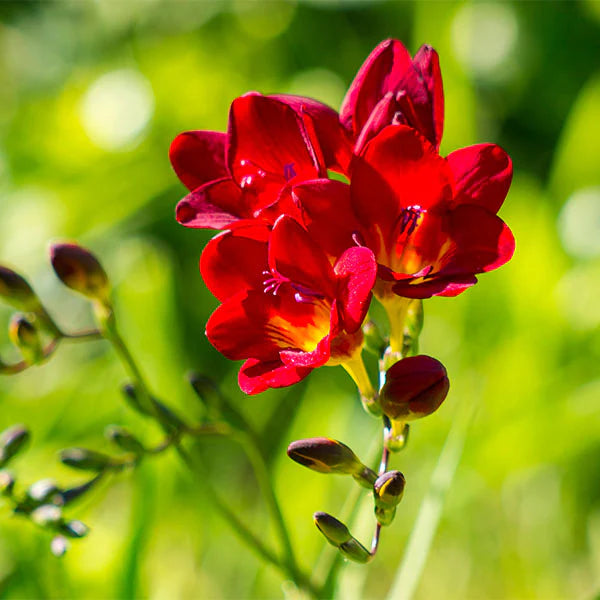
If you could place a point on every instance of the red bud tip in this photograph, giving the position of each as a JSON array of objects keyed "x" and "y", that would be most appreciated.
[{"x": 415, "y": 387}]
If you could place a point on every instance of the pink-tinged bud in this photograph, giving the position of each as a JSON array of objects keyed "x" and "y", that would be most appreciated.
[
  {"x": 80, "y": 270},
  {"x": 15, "y": 290},
  {"x": 325, "y": 456},
  {"x": 25, "y": 336},
  {"x": 414, "y": 388}
]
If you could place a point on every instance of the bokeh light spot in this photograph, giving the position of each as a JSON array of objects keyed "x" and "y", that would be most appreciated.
[
  {"x": 484, "y": 37},
  {"x": 579, "y": 223},
  {"x": 116, "y": 109}
]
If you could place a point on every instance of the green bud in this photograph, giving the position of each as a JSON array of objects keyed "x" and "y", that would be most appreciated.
[
  {"x": 44, "y": 491},
  {"x": 135, "y": 399},
  {"x": 59, "y": 545},
  {"x": 123, "y": 438},
  {"x": 15, "y": 290},
  {"x": 355, "y": 551},
  {"x": 74, "y": 529},
  {"x": 7, "y": 483},
  {"x": 335, "y": 532},
  {"x": 46, "y": 515},
  {"x": 24, "y": 334},
  {"x": 80, "y": 271},
  {"x": 70, "y": 494},
  {"x": 84, "y": 459},
  {"x": 374, "y": 340},
  {"x": 12, "y": 441},
  {"x": 216, "y": 404}
]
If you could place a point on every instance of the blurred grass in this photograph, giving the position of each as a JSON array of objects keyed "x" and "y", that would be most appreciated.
[{"x": 522, "y": 516}]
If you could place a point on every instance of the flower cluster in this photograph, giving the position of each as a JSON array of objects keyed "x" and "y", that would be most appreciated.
[{"x": 319, "y": 211}]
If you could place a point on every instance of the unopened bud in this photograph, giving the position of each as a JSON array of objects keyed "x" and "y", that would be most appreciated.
[
  {"x": 7, "y": 483},
  {"x": 15, "y": 290},
  {"x": 59, "y": 545},
  {"x": 80, "y": 270},
  {"x": 388, "y": 490},
  {"x": 335, "y": 532},
  {"x": 44, "y": 491},
  {"x": 123, "y": 438},
  {"x": 47, "y": 514},
  {"x": 74, "y": 529},
  {"x": 140, "y": 403},
  {"x": 84, "y": 459},
  {"x": 414, "y": 388},
  {"x": 25, "y": 336},
  {"x": 355, "y": 551},
  {"x": 12, "y": 441}
]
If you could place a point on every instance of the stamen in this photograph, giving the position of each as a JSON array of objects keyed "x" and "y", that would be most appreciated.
[
  {"x": 358, "y": 239},
  {"x": 409, "y": 218},
  {"x": 289, "y": 171}
]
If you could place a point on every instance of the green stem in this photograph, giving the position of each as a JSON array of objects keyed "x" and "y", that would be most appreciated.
[
  {"x": 425, "y": 527},
  {"x": 289, "y": 567}
]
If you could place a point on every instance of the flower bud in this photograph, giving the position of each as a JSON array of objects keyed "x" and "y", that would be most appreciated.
[
  {"x": 12, "y": 441},
  {"x": 59, "y": 545},
  {"x": 25, "y": 336},
  {"x": 414, "y": 388},
  {"x": 7, "y": 483},
  {"x": 44, "y": 491},
  {"x": 15, "y": 290},
  {"x": 74, "y": 529},
  {"x": 139, "y": 403},
  {"x": 355, "y": 551},
  {"x": 335, "y": 532},
  {"x": 389, "y": 488},
  {"x": 123, "y": 438},
  {"x": 84, "y": 459},
  {"x": 80, "y": 270},
  {"x": 325, "y": 455}
]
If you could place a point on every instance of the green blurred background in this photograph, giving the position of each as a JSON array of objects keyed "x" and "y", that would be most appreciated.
[{"x": 92, "y": 93}]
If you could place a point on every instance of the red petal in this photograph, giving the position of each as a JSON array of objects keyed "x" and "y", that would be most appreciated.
[
  {"x": 294, "y": 254},
  {"x": 268, "y": 145},
  {"x": 327, "y": 214},
  {"x": 235, "y": 260},
  {"x": 198, "y": 157},
  {"x": 482, "y": 241},
  {"x": 357, "y": 271},
  {"x": 482, "y": 175},
  {"x": 214, "y": 205},
  {"x": 256, "y": 376},
  {"x": 378, "y": 75},
  {"x": 399, "y": 169},
  {"x": 333, "y": 139},
  {"x": 431, "y": 107}
]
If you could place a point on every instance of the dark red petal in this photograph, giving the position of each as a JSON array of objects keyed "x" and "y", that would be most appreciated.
[
  {"x": 214, "y": 205},
  {"x": 267, "y": 144},
  {"x": 235, "y": 260},
  {"x": 333, "y": 139},
  {"x": 398, "y": 169},
  {"x": 257, "y": 376},
  {"x": 378, "y": 75},
  {"x": 482, "y": 175},
  {"x": 427, "y": 64},
  {"x": 327, "y": 214},
  {"x": 294, "y": 254},
  {"x": 357, "y": 271},
  {"x": 437, "y": 286},
  {"x": 381, "y": 116},
  {"x": 198, "y": 157}
]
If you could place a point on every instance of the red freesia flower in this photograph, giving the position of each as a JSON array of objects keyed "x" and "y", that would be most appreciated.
[
  {"x": 271, "y": 143},
  {"x": 429, "y": 220},
  {"x": 393, "y": 88},
  {"x": 286, "y": 309}
]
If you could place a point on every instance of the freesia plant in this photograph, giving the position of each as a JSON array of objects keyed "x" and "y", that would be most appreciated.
[{"x": 320, "y": 215}]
